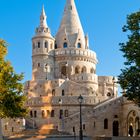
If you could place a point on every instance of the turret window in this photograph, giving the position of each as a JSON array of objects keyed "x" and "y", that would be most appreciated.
[
  {"x": 43, "y": 113},
  {"x": 52, "y": 113},
  {"x": 35, "y": 114},
  {"x": 65, "y": 45},
  {"x": 92, "y": 70},
  {"x": 46, "y": 44},
  {"x": 53, "y": 92},
  {"x": 105, "y": 123},
  {"x": 79, "y": 45},
  {"x": 38, "y": 64},
  {"x": 63, "y": 92},
  {"x": 77, "y": 70},
  {"x": 38, "y": 44},
  {"x": 84, "y": 70}
]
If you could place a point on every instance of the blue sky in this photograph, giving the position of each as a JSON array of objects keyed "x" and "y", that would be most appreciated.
[{"x": 101, "y": 19}]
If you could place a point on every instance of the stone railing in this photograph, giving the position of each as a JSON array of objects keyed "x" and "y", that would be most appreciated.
[
  {"x": 75, "y": 52},
  {"x": 53, "y": 100},
  {"x": 85, "y": 77}
]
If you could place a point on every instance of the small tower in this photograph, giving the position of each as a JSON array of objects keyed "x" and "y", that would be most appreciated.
[{"x": 43, "y": 51}]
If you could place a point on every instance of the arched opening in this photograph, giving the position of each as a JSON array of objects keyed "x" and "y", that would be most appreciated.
[
  {"x": 46, "y": 44},
  {"x": 64, "y": 70},
  {"x": 38, "y": 44},
  {"x": 48, "y": 113},
  {"x": 105, "y": 123},
  {"x": 53, "y": 92},
  {"x": 92, "y": 70},
  {"x": 79, "y": 45},
  {"x": 63, "y": 92},
  {"x": 43, "y": 113},
  {"x": 133, "y": 124},
  {"x": 65, "y": 45},
  {"x": 31, "y": 114},
  {"x": 115, "y": 128},
  {"x": 84, "y": 70},
  {"x": 52, "y": 113},
  {"x": 55, "y": 46},
  {"x": 77, "y": 70},
  {"x": 35, "y": 114}
]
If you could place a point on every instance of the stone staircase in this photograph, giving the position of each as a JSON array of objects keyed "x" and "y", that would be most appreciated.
[{"x": 35, "y": 134}]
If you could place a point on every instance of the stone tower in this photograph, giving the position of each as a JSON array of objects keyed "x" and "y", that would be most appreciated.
[
  {"x": 63, "y": 69},
  {"x": 43, "y": 51}
]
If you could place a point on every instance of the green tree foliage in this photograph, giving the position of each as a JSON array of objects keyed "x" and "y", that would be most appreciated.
[
  {"x": 129, "y": 79},
  {"x": 11, "y": 98}
]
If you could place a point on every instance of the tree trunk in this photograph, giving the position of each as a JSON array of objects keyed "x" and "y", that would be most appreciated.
[{"x": 1, "y": 133}]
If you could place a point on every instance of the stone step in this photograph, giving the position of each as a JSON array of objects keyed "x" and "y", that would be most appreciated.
[{"x": 49, "y": 138}]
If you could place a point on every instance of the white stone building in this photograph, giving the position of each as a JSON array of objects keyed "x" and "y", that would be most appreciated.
[{"x": 64, "y": 67}]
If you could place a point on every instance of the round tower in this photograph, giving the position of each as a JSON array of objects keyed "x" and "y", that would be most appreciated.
[
  {"x": 43, "y": 51},
  {"x": 74, "y": 59}
]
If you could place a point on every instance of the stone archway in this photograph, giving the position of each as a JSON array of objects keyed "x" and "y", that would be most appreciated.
[
  {"x": 115, "y": 128},
  {"x": 133, "y": 124}
]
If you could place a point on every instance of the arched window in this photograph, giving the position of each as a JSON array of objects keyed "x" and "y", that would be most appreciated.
[
  {"x": 53, "y": 92},
  {"x": 46, "y": 44},
  {"x": 77, "y": 70},
  {"x": 84, "y": 70},
  {"x": 38, "y": 64},
  {"x": 63, "y": 92},
  {"x": 79, "y": 45},
  {"x": 52, "y": 113},
  {"x": 105, "y": 123},
  {"x": 48, "y": 113},
  {"x": 84, "y": 127},
  {"x": 43, "y": 113},
  {"x": 60, "y": 114},
  {"x": 92, "y": 70},
  {"x": 35, "y": 114},
  {"x": 38, "y": 45},
  {"x": 65, "y": 45},
  {"x": 31, "y": 114},
  {"x": 55, "y": 46}
]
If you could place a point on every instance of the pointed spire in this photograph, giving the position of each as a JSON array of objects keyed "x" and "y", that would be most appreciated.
[
  {"x": 43, "y": 18},
  {"x": 70, "y": 24}
]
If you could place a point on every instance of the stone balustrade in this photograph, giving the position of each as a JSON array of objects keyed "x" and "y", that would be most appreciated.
[
  {"x": 75, "y": 52},
  {"x": 53, "y": 100}
]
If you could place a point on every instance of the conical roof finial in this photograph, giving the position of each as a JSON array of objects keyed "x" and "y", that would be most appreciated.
[{"x": 43, "y": 17}]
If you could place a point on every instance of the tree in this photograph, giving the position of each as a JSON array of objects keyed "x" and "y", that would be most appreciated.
[
  {"x": 129, "y": 78},
  {"x": 11, "y": 98}
]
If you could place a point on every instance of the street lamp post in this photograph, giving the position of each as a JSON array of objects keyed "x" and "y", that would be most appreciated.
[{"x": 80, "y": 100}]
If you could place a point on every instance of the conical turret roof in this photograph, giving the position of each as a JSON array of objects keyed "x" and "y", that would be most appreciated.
[{"x": 70, "y": 27}]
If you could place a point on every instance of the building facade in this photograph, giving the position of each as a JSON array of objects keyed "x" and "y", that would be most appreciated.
[{"x": 63, "y": 68}]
